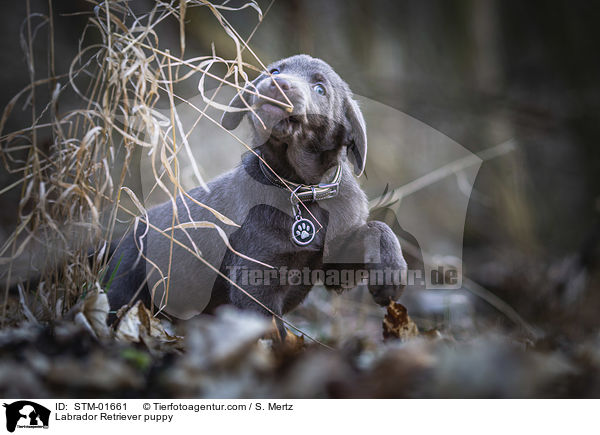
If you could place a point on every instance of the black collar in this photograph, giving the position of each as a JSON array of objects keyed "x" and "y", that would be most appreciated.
[{"x": 304, "y": 192}]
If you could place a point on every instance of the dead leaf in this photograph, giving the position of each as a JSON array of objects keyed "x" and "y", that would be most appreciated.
[
  {"x": 139, "y": 325},
  {"x": 292, "y": 343},
  {"x": 398, "y": 324},
  {"x": 93, "y": 314}
]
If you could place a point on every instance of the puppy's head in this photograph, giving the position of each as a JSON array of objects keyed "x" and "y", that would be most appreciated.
[{"x": 324, "y": 126}]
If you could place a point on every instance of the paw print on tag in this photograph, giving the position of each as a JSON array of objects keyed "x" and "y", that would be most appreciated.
[
  {"x": 294, "y": 277},
  {"x": 303, "y": 232}
]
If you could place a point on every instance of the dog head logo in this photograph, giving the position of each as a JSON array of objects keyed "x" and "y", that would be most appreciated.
[{"x": 26, "y": 414}]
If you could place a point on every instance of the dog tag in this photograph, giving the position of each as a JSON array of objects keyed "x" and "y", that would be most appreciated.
[{"x": 303, "y": 232}]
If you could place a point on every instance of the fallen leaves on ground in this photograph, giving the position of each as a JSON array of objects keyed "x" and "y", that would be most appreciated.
[{"x": 231, "y": 354}]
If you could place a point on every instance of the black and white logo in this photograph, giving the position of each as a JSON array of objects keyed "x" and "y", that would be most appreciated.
[{"x": 25, "y": 414}]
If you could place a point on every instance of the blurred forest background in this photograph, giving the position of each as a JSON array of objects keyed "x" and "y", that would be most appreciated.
[{"x": 480, "y": 72}]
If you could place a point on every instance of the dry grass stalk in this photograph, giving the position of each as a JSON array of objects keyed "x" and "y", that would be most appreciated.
[{"x": 72, "y": 166}]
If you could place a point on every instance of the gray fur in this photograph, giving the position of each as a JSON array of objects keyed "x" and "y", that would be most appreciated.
[{"x": 304, "y": 146}]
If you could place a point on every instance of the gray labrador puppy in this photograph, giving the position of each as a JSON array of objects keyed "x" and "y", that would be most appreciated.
[{"x": 302, "y": 216}]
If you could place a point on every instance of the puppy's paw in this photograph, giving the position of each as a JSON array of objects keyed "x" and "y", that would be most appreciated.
[
  {"x": 382, "y": 295},
  {"x": 387, "y": 278}
]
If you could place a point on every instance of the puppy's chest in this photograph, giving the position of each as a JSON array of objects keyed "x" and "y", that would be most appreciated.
[{"x": 272, "y": 229}]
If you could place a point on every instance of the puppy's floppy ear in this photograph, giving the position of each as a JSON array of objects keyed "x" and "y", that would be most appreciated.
[
  {"x": 230, "y": 120},
  {"x": 357, "y": 146}
]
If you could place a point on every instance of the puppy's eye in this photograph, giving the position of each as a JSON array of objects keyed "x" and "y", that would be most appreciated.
[
  {"x": 319, "y": 89},
  {"x": 274, "y": 71}
]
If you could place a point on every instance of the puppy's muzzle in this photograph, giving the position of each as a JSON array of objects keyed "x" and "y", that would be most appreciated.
[{"x": 280, "y": 89}]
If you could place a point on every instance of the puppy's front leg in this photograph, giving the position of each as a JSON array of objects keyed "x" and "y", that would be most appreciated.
[
  {"x": 374, "y": 248},
  {"x": 387, "y": 274}
]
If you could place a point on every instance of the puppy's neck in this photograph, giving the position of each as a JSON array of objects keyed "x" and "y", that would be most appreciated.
[
  {"x": 275, "y": 154},
  {"x": 298, "y": 165}
]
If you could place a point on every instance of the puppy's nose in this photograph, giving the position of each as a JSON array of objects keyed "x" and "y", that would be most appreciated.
[{"x": 283, "y": 83}]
